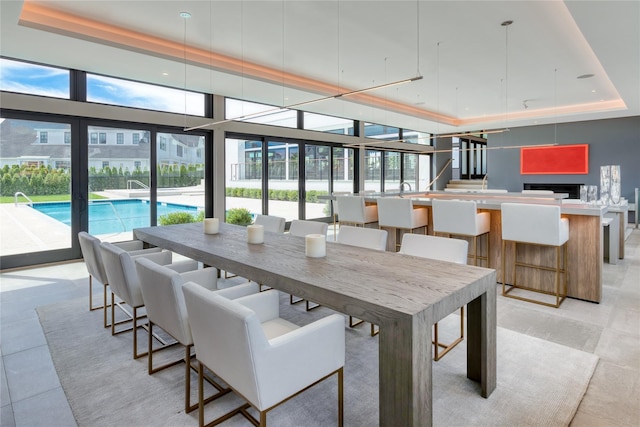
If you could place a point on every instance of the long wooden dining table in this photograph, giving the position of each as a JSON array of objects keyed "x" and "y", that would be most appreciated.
[{"x": 402, "y": 294}]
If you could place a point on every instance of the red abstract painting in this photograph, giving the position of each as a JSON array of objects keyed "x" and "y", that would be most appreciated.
[{"x": 557, "y": 160}]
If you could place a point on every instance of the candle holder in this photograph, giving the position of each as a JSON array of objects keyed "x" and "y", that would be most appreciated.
[
  {"x": 211, "y": 226},
  {"x": 315, "y": 245},
  {"x": 255, "y": 234}
]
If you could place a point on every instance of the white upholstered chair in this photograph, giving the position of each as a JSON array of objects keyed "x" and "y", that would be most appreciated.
[
  {"x": 443, "y": 249},
  {"x": 398, "y": 213},
  {"x": 91, "y": 253},
  {"x": 302, "y": 228},
  {"x": 353, "y": 210},
  {"x": 535, "y": 225},
  {"x": 265, "y": 359},
  {"x": 461, "y": 218},
  {"x": 368, "y": 238},
  {"x": 125, "y": 283},
  {"x": 271, "y": 223},
  {"x": 164, "y": 302}
]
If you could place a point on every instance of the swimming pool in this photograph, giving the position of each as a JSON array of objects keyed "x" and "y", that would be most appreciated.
[{"x": 112, "y": 216}]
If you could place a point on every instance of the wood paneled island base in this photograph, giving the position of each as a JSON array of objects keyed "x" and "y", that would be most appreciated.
[{"x": 404, "y": 295}]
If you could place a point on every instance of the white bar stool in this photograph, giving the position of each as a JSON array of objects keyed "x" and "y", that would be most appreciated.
[
  {"x": 535, "y": 225},
  {"x": 461, "y": 218},
  {"x": 398, "y": 213},
  {"x": 354, "y": 211}
]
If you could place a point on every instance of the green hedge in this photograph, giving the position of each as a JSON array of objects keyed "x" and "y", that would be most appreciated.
[
  {"x": 44, "y": 180},
  {"x": 284, "y": 195}
]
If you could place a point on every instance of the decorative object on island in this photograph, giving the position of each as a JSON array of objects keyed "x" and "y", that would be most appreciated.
[
  {"x": 610, "y": 186},
  {"x": 616, "y": 188},
  {"x": 605, "y": 184}
]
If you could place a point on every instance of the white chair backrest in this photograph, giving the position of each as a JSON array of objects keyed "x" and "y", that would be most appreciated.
[
  {"x": 395, "y": 212},
  {"x": 91, "y": 253},
  {"x": 370, "y": 238},
  {"x": 454, "y": 216},
  {"x": 122, "y": 274},
  {"x": 540, "y": 224},
  {"x": 163, "y": 299},
  {"x": 334, "y": 202},
  {"x": 351, "y": 208},
  {"x": 300, "y": 227},
  {"x": 271, "y": 223},
  {"x": 227, "y": 336},
  {"x": 433, "y": 247}
]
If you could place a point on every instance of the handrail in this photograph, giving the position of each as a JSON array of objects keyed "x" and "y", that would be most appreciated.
[
  {"x": 20, "y": 193},
  {"x": 124, "y": 227},
  {"x": 438, "y": 176},
  {"x": 141, "y": 184}
]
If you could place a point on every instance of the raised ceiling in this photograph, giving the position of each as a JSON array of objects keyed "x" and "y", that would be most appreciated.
[{"x": 477, "y": 74}]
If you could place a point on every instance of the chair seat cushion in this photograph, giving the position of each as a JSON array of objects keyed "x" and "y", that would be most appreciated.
[{"x": 276, "y": 327}]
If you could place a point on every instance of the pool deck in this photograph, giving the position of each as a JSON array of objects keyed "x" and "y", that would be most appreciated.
[{"x": 24, "y": 230}]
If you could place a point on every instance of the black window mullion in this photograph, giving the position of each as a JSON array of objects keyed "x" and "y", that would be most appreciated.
[
  {"x": 153, "y": 169},
  {"x": 302, "y": 173},
  {"x": 265, "y": 176}
]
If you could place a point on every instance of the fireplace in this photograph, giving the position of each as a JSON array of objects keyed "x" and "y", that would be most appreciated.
[{"x": 572, "y": 189}]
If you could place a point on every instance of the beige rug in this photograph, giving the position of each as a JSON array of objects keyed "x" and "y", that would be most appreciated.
[{"x": 539, "y": 383}]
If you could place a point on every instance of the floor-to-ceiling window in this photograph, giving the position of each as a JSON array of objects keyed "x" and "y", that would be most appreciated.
[
  {"x": 118, "y": 161},
  {"x": 180, "y": 177},
  {"x": 35, "y": 184},
  {"x": 243, "y": 174},
  {"x": 282, "y": 171},
  {"x": 317, "y": 180}
]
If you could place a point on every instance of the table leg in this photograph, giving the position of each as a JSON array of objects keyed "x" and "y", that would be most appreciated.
[
  {"x": 405, "y": 372},
  {"x": 481, "y": 341}
]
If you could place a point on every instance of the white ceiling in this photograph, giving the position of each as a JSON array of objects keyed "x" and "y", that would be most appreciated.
[{"x": 476, "y": 73}]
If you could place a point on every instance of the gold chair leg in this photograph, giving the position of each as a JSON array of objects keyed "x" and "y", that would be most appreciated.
[
  {"x": 309, "y": 307},
  {"x": 353, "y": 324},
  {"x": 447, "y": 347},
  {"x": 341, "y": 397},
  {"x": 292, "y": 301}
]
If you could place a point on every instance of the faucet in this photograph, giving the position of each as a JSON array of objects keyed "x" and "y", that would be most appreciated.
[{"x": 402, "y": 184}]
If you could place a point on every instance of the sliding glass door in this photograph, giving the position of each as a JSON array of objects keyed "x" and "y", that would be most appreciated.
[{"x": 35, "y": 181}]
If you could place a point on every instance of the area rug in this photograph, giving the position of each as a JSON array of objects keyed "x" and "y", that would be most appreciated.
[{"x": 539, "y": 383}]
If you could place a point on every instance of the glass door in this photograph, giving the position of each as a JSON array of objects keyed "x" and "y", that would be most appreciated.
[
  {"x": 119, "y": 181},
  {"x": 35, "y": 183}
]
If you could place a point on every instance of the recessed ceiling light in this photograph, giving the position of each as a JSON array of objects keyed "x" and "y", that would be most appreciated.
[
  {"x": 585, "y": 76},
  {"x": 593, "y": 91},
  {"x": 185, "y": 15},
  {"x": 506, "y": 23},
  {"x": 165, "y": 73}
]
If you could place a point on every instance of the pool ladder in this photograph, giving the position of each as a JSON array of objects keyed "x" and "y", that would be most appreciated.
[{"x": 20, "y": 193}]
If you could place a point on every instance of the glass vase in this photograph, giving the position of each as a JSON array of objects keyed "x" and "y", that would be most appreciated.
[
  {"x": 614, "y": 194},
  {"x": 605, "y": 184}
]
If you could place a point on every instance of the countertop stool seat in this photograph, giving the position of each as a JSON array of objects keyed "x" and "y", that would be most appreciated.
[
  {"x": 398, "y": 213},
  {"x": 443, "y": 249},
  {"x": 461, "y": 218},
  {"x": 539, "y": 225}
]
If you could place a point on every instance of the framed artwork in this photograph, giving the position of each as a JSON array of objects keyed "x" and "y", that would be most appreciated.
[{"x": 555, "y": 160}]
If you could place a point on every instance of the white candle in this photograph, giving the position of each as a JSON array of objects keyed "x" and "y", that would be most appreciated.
[
  {"x": 211, "y": 225},
  {"x": 255, "y": 233},
  {"x": 315, "y": 245}
]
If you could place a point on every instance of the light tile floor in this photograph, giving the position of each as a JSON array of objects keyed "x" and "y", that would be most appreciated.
[{"x": 31, "y": 395}]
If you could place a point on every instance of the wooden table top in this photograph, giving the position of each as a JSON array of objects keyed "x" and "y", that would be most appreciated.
[{"x": 369, "y": 284}]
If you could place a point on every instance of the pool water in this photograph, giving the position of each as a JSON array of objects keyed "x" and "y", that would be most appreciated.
[{"x": 113, "y": 216}]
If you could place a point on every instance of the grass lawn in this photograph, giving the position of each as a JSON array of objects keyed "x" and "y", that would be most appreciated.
[{"x": 48, "y": 198}]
